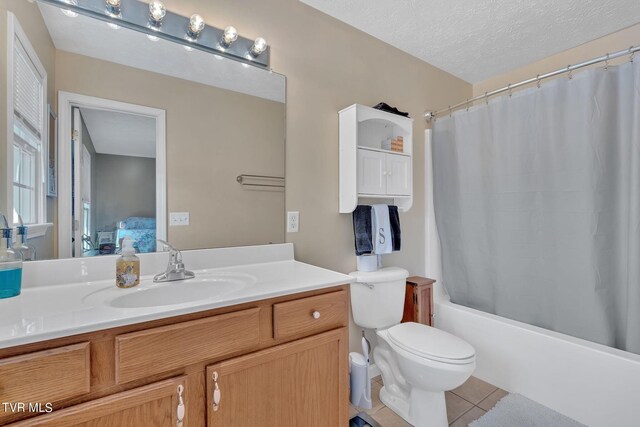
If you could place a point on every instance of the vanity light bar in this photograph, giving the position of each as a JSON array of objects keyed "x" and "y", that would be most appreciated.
[{"x": 153, "y": 19}]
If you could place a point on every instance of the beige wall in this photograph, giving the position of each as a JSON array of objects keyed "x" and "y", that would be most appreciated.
[
  {"x": 213, "y": 135},
  {"x": 612, "y": 43},
  {"x": 31, "y": 22},
  {"x": 330, "y": 65}
]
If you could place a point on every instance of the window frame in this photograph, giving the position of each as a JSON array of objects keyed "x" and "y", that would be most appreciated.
[{"x": 16, "y": 32}]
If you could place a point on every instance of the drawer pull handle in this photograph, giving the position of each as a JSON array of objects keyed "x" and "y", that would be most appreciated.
[
  {"x": 216, "y": 391},
  {"x": 181, "y": 408},
  {"x": 316, "y": 314}
]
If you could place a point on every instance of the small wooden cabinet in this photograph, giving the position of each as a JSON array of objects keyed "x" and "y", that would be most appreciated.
[
  {"x": 277, "y": 362},
  {"x": 418, "y": 300}
]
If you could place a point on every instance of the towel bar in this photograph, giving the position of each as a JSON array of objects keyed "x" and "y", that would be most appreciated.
[{"x": 261, "y": 182}]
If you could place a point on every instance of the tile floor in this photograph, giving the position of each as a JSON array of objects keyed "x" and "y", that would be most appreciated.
[{"x": 465, "y": 404}]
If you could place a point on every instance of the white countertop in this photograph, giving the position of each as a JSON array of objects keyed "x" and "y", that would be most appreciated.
[{"x": 44, "y": 312}]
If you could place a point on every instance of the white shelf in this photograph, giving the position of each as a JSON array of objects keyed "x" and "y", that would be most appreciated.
[
  {"x": 366, "y": 169},
  {"x": 380, "y": 150}
]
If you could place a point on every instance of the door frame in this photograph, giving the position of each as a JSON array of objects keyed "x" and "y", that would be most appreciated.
[{"x": 68, "y": 100}]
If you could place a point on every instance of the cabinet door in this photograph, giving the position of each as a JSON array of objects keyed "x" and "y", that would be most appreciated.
[
  {"x": 371, "y": 172},
  {"x": 398, "y": 175},
  {"x": 302, "y": 383},
  {"x": 154, "y": 405}
]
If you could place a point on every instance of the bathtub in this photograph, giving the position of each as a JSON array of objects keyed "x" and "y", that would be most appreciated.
[{"x": 591, "y": 383}]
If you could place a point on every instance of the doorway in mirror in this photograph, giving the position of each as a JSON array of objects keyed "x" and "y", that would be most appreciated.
[{"x": 111, "y": 176}]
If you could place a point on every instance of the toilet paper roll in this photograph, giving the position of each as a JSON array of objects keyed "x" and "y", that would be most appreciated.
[{"x": 367, "y": 263}]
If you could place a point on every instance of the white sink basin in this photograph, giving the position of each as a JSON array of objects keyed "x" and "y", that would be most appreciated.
[{"x": 205, "y": 286}]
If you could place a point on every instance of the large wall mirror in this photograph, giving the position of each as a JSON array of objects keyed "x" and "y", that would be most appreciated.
[{"x": 113, "y": 133}]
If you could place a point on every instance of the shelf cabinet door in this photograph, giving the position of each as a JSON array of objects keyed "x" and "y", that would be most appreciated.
[
  {"x": 300, "y": 383},
  {"x": 371, "y": 172},
  {"x": 398, "y": 175},
  {"x": 154, "y": 405}
]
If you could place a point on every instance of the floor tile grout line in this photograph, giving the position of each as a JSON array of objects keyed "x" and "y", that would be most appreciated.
[
  {"x": 461, "y": 415},
  {"x": 483, "y": 398}
]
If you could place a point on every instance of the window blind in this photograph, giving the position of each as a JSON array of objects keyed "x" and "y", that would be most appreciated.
[{"x": 28, "y": 92}]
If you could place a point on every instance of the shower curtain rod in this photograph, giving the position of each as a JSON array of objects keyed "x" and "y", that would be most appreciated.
[{"x": 431, "y": 115}]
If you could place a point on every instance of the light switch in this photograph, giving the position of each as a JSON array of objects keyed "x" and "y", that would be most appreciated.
[{"x": 178, "y": 219}]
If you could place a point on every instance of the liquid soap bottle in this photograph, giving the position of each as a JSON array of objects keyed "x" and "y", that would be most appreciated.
[
  {"x": 28, "y": 252},
  {"x": 127, "y": 266},
  {"x": 10, "y": 263}
]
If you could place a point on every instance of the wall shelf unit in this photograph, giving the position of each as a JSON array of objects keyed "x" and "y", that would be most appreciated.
[{"x": 367, "y": 168}]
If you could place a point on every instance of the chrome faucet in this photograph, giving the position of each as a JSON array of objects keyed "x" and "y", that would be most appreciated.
[{"x": 175, "y": 268}]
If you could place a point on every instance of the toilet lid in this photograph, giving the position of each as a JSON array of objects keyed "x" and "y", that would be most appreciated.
[{"x": 431, "y": 343}]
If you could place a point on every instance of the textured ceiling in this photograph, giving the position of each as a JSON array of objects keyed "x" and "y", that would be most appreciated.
[
  {"x": 121, "y": 134},
  {"x": 476, "y": 40}
]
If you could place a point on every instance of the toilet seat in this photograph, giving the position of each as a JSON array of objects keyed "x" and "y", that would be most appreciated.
[{"x": 431, "y": 343}]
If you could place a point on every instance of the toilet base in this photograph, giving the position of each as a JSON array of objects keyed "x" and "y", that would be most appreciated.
[
  {"x": 399, "y": 406},
  {"x": 427, "y": 408}
]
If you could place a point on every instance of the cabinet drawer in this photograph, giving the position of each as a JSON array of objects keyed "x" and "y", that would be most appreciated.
[
  {"x": 296, "y": 318},
  {"x": 47, "y": 376},
  {"x": 154, "y": 351},
  {"x": 154, "y": 405}
]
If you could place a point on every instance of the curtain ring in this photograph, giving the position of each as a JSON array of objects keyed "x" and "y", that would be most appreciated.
[
  {"x": 449, "y": 110},
  {"x": 606, "y": 62},
  {"x": 570, "y": 71},
  {"x": 486, "y": 98},
  {"x": 631, "y": 53},
  {"x": 538, "y": 83},
  {"x": 509, "y": 90},
  {"x": 467, "y": 104}
]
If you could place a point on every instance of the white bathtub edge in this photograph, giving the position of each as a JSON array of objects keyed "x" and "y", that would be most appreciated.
[{"x": 591, "y": 383}]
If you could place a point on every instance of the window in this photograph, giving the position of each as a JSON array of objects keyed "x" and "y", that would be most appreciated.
[{"x": 28, "y": 82}]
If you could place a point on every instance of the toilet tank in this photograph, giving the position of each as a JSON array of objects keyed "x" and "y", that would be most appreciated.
[{"x": 377, "y": 297}]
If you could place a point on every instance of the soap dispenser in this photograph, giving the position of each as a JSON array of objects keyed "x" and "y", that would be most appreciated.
[
  {"x": 10, "y": 263},
  {"x": 28, "y": 252},
  {"x": 127, "y": 266}
]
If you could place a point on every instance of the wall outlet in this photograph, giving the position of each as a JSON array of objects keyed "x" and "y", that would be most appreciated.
[
  {"x": 178, "y": 219},
  {"x": 293, "y": 222}
]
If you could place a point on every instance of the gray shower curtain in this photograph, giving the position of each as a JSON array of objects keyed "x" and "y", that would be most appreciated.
[{"x": 537, "y": 203}]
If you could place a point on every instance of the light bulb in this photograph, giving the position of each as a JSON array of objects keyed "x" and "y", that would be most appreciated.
[
  {"x": 196, "y": 25},
  {"x": 157, "y": 12},
  {"x": 113, "y": 6},
  {"x": 70, "y": 13},
  {"x": 259, "y": 46},
  {"x": 229, "y": 36}
]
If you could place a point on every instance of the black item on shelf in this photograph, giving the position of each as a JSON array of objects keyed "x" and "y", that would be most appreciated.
[{"x": 383, "y": 106}]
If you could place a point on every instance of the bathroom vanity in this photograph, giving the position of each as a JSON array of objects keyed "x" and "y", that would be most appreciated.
[{"x": 266, "y": 346}]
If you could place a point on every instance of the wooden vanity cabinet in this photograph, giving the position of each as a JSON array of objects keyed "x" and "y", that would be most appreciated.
[
  {"x": 154, "y": 405},
  {"x": 281, "y": 361},
  {"x": 297, "y": 384}
]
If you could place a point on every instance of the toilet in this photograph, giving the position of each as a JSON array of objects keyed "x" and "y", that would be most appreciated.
[{"x": 418, "y": 363}]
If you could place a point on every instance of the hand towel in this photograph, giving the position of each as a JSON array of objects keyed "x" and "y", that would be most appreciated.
[
  {"x": 362, "y": 229},
  {"x": 381, "y": 226},
  {"x": 394, "y": 219}
]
